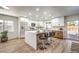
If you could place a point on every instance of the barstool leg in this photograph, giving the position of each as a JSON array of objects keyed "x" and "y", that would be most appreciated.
[{"x": 43, "y": 46}]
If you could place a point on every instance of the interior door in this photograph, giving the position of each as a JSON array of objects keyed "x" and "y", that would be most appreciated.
[{"x": 72, "y": 29}]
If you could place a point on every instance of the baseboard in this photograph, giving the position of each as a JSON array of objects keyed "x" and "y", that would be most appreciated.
[
  {"x": 21, "y": 38},
  {"x": 13, "y": 38},
  {"x": 71, "y": 39},
  {"x": 17, "y": 38}
]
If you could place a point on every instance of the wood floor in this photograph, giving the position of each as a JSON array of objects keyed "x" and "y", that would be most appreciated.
[
  {"x": 15, "y": 46},
  {"x": 19, "y": 46}
]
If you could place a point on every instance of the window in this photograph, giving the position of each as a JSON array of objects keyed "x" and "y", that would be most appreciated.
[
  {"x": 72, "y": 26},
  {"x": 9, "y": 26},
  {"x": 72, "y": 29},
  {"x": 1, "y": 25}
]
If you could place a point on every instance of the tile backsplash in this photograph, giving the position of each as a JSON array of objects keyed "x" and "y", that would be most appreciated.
[{"x": 58, "y": 28}]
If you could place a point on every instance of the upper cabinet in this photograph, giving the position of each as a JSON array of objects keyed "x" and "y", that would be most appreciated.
[
  {"x": 58, "y": 21},
  {"x": 61, "y": 21}
]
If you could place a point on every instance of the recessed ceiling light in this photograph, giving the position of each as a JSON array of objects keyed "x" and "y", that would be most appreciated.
[
  {"x": 45, "y": 17},
  {"x": 45, "y": 13},
  {"x": 52, "y": 17},
  {"x": 49, "y": 15},
  {"x": 30, "y": 13},
  {"x": 37, "y": 9},
  {"x": 30, "y": 17},
  {"x": 41, "y": 17},
  {"x": 36, "y": 15}
]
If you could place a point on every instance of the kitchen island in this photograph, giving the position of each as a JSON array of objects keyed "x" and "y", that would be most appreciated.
[{"x": 31, "y": 38}]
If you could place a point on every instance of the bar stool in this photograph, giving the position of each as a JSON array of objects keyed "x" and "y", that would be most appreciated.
[
  {"x": 42, "y": 38},
  {"x": 48, "y": 36}
]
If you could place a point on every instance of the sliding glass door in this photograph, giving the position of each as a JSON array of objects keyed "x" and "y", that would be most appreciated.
[{"x": 73, "y": 29}]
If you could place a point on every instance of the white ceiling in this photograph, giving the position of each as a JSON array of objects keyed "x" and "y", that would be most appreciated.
[{"x": 52, "y": 11}]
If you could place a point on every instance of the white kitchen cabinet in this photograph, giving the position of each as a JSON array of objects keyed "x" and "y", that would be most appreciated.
[
  {"x": 55, "y": 22},
  {"x": 61, "y": 21},
  {"x": 58, "y": 21}
]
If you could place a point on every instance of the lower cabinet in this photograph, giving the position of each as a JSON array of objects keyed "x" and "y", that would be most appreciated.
[{"x": 58, "y": 34}]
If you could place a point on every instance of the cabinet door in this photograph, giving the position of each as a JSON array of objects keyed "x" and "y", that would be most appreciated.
[
  {"x": 58, "y": 21},
  {"x": 55, "y": 22},
  {"x": 61, "y": 21}
]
